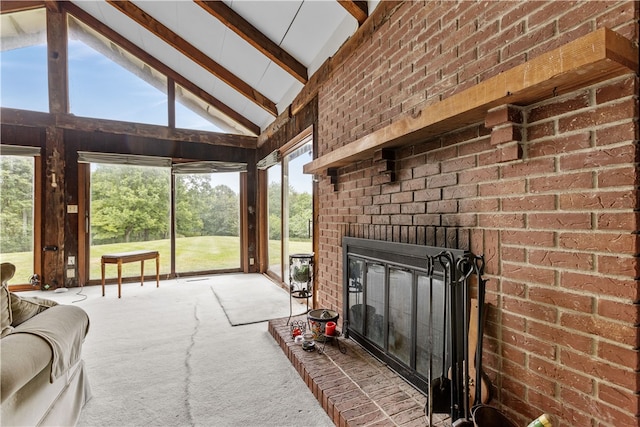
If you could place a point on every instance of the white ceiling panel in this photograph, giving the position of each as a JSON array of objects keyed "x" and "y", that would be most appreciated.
[
  {"x": 243, "y": 60},
  {"x": 335, "y": 41},
  {"x": 275, "y": 82},
  {"x": 201, "y": 29},
  {"x": 190, "y": 22},
  {"x": 312, "y": 28},
  {"x": 271, "y": 18},
  {"x": 261, "y": 117}
]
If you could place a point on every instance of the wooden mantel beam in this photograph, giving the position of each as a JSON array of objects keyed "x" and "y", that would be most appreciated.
[
  {"x": 181, "y": 45},
  {"x": 595, "y": 57},
  {"x": 255, "y": 38}
]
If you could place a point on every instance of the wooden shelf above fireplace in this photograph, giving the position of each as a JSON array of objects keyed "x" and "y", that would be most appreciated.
[{"x": 600, "y": 55}]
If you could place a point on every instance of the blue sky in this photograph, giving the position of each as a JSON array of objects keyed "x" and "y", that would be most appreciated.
[{"x": 100, "y": 88}]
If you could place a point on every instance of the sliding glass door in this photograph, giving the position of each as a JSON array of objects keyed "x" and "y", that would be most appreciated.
[
  {"x": 207, "y": 221},
  {"x": 274, "y": 219},
  {"x": 297, "y": 204},
  {"x": 289, "y": 208},
  {"x": 130, "y": 210}
]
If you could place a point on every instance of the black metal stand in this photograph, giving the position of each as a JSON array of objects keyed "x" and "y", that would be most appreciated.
[
  {"x": 341, "y": 346},
  {"x": 300, "y": 279}
]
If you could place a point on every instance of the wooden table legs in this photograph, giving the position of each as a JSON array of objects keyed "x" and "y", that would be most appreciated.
[{"x": 125, "y": 257}]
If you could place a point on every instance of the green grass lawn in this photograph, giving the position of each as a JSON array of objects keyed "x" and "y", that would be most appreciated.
[{"x": 192, "y": 254}]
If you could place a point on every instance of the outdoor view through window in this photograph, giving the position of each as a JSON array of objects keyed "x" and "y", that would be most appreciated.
[{"x": 207, "y": 205}]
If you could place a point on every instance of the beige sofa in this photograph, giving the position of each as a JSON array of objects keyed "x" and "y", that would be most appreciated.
[{"x": 42, "y": 374}]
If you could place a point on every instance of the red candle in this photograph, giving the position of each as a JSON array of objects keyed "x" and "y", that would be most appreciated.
[{"x": 330, "y": 328}]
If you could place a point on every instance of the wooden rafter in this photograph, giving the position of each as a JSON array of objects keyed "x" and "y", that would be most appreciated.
[
  {"x": 161, "y": 67},
  {"x": 53, "y": 6},
  {"x": 19, "y": 5},
  {"x": 255, "y": 38},
  {"x": 358, "y": 9},
  {"x": 187, "y": 49}
]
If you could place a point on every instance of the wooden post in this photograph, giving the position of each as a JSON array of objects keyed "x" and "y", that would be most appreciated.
[
  {"x": 53, "y": 228},
  {"x": 53, "y": 219}
]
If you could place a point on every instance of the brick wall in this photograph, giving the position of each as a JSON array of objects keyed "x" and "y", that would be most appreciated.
[{"x": 553, "y": 210}]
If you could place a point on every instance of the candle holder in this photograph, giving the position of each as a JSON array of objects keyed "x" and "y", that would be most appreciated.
[{"x": 298, "y": 327}]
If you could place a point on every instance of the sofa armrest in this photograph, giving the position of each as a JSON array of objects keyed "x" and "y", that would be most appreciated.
[
  {"x": 23, "y": 357},
  {"x": 64, "y": 328}
]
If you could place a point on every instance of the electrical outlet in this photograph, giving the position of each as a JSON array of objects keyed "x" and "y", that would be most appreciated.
[
  {"x": 71, "y": 260},
  {"x": 71, "y": 273}
]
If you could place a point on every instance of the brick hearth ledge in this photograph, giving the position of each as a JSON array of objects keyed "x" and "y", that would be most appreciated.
[{"x": 354, "y": 389}]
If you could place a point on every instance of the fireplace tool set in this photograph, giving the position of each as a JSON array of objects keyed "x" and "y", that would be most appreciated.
[{"x": 461, "y": 389}]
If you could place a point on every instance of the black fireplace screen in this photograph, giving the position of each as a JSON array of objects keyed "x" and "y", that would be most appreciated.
[{"x": 396, "y": 300}]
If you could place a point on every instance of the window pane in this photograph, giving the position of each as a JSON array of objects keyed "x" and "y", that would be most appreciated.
[
  {"x": 356, "y": 281},
  {"x": 186, "y": 118},
  {"x": 400, "y": 308},
  {"x": 127, "y": 89},
  {"x": 129, "y": 212},
  {"x": 375, "y": 303},
  {"x": 194, "y": 113},
  {"x": 207, "y": 222},
  {"x": 23, "y": 61},
  {"x": 16, "y": 215},
  {"x": 423, "y": 331},
  {"x": 274, "y": 212},
  {"x": 299, "y": 201}
]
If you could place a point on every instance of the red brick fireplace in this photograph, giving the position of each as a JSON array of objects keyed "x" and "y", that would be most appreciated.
[{"x": 413, "y": 138}]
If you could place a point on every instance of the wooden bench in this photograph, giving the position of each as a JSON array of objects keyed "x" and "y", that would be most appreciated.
[{"x": 125, "y": 257}]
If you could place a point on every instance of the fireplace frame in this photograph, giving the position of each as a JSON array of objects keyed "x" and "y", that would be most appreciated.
[{"x": 419, "y": 260}]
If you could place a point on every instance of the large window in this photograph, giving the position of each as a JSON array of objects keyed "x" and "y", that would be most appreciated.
[
  {"x": 207, "y": 221},
  {"x": 130, "y": 210},
  {"x": 274, "y": 215},
  {"x": 23, "y": 61},
  {"x": 297, "y": 203},
  {"x": 290, "y": 208},
  {"x": 128, "y": 90},
  {"x": 17, "y": 215},
  {"x": 131, "y": 198}
]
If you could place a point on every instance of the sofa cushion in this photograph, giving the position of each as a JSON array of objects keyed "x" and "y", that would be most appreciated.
[
  {"x": 5, "y": 310},
  {"x": 24, "y": 308}
]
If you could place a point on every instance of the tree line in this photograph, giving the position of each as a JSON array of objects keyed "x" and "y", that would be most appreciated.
[{"x": 131, "y": 204}]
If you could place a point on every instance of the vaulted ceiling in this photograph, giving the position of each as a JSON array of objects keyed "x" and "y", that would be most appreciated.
[{"x": 246, "y": 60}]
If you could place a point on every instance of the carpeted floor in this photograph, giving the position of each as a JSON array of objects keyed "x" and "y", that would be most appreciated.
[
  {"x": 168, "y": 356},
  {"x": 248, "y": 299}
]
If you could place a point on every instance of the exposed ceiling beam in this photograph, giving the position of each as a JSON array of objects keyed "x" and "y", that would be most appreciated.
[
  {"x": 255, "y": 38},
  {"x": 158, "y": 65},
  {"x": 358, "y": 9},
  {"x": 12, "y": 116},
  {"x": 52, "y": 5},
  {"x": 19, "y": 5},
  {"x": 187, "y": 49}
]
